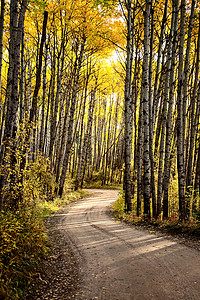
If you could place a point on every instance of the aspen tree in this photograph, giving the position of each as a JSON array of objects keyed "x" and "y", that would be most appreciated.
[
  {"x": 140, "y": 156},
  {"x": 194, "y": 120},
  {"x": 71, "y": 120},
  {"x": 145, "y": 100},
  {"x": 115, "y": 138},
  {"x": 164, "y": 113},
  {"x": 22, "y": 79},
  {"x": 180, "y": 146},
  {"x": 88, "y": 133},
  {"x": 197, "y": 174},
  {"x": 161, "y": 40},
  {"x": 81, "y": 155},
  {"x": 61, "y": 150},
  {"x": 101, "y": 124},
  {"x": 16, "y": 27},
  {"x": 152, "y": 180},
  {"x": 1, "y": 35},
  {"x": 168, "y": 136},
  {"x": 186, "y": 67},
  {"x": 57, "y": 95},
  {"x": 128, "y": 113},
  {"x": 41, "y": 142},
  {"x": 107, "y": 145},
  {"x": 33, "y": 111}
]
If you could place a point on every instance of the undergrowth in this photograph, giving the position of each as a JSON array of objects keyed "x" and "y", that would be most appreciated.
[
  {"x": 172, "y": 225},
  {"x": 23, "y": 239},
  {"x": 23, "y": 244},
  {"x": 97, "y": 181},
  {"x": 98, "y": 185}
]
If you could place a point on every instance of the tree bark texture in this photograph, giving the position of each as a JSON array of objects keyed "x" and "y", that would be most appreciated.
[
  {"x": 180, "y": 146},
  {"x": 145, "y": 99},
  {"x": 1, "y": 34},
  {"x": 128, "y": 113}
]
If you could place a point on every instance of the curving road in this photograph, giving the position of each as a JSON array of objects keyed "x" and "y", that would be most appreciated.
[{"x": 119, "y": 262}]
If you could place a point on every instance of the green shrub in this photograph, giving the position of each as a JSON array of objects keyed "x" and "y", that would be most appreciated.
[
  {"x": 119, "y": 206},
  {"x": 39, "y": 181}
]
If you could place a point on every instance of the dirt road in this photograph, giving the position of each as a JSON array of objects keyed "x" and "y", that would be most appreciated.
[{"x": 120, "y": 262}]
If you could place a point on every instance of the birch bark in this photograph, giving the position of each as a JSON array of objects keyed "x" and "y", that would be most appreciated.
[
  {"x": 169, "y": 113},
  {"x": 193, "y": 128},
  {"x": 16, "y": 28},
  {"x": 164, "y": 114},
  {"x": 1, "y": 34},
  {"x": 180, "y": 146},
  {"x": 80, "y": 159},
  {"x": 145, "y": 99},
  {"x": 128, "y": 113}
]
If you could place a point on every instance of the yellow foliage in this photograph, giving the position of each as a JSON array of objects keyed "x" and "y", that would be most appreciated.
[{"x": 22, "y": 245}]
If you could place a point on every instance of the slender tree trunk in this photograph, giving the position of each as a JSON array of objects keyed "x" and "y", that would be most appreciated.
[
  {"x": 161, "y": 39},
  {"x": 115, "y": 137},
  {"x": 193, "y": 129},
  {"x": 22, "y": 76},
  {"x": 128, "y": 110},
  {"x": 197, "y": 173},
  {"x": 135, "y": 99},
  {"x": 145, "y": 84},
  {"x": 88, "y": 134},
  {"x": 38, "y": 71},
  {"x": 41, "y": 142},
  {"x": 101, "y": 124},
  {"x": 63, "y": 140},
  {"x": 186, "y": 70},
  {"x": 153, "y": 189},
  {"x": 107, "y": 146},
  {"x": 45, "y": 145},
  {"x": 60, "y": 69},
  {"x": 1, "y": 35},
  {"x": 81, "y": 148},
  {"x": 60, "y": 129},
  {"x": 2, "y": 121},
  {"x": 169, "y": 114},
  {"x": 140, "y": 156},
  {"x": 33, "y": 110},
  {"x": 95, "y": 144},
  {"x": 71, "y": 121},
  {"x": 180, "y": 146},
  {"x": 164, "y": 115},
  {"x": 16, "y": 28}
]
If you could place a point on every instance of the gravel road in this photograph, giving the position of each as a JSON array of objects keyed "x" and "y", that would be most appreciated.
[{"x": 119, "y": 262}]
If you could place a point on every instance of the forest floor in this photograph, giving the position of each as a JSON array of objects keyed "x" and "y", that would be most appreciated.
[{"x": 96, "y": 256}]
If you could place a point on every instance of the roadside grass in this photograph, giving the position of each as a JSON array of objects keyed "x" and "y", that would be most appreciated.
[
  {"x": 184, "y": 228},
  {"x": 24, "y": 243},
  {"x": 48, "y": 208}
]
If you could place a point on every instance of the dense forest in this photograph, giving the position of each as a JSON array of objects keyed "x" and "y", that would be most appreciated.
[
  {"x": 95, "y": 93},
  {"x": 102, "y": 90}
]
